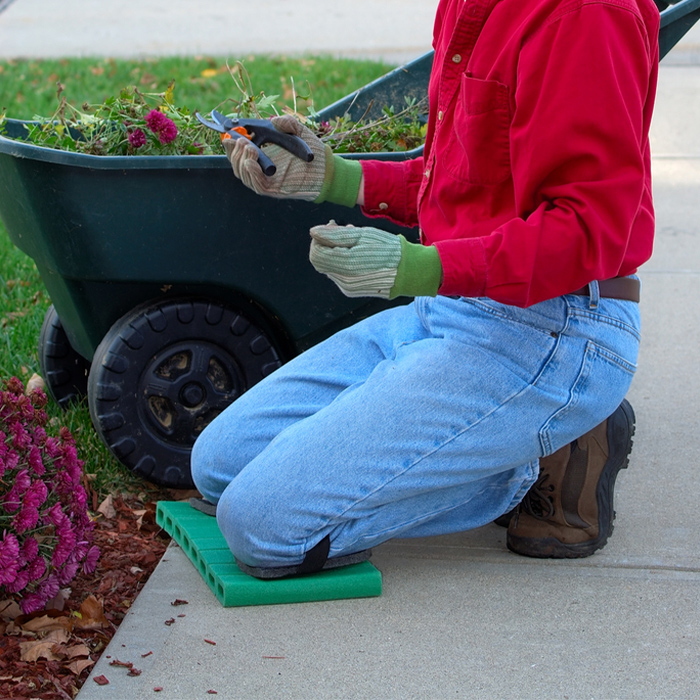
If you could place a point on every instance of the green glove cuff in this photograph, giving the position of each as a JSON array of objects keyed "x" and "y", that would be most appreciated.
[
  {"x": 341, "y": 183},
  {"x": 419, "y": 273}
]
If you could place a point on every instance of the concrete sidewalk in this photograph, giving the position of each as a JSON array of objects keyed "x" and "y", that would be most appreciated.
[
  {"x": 460, "y": 616},
  {"x": 392, "y": 30}
]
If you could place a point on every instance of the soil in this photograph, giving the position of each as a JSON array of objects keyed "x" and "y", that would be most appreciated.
[{"x": 48, "y": 655}]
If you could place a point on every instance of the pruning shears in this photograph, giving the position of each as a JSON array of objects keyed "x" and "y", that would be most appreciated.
[{"x": 258, "y": 132}]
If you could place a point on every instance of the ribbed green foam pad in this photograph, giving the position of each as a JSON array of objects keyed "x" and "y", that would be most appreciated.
[{"x": 200, "y": 538}]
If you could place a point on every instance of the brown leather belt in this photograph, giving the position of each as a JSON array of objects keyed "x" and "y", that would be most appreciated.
[{"x": 625, "y": 288}]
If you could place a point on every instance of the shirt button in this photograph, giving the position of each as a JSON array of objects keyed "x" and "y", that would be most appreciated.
[
  {"x": 383, "y": 206},
  {"x": 440, "y": 115},
  {"x": 427, "y": 172},
  {"x": 456, "y": 58}
]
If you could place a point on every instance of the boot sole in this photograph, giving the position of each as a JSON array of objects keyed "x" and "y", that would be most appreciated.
[{"x": 620, "y": 429}]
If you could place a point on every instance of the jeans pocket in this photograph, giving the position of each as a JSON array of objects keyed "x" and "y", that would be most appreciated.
[
  {"x": 478, "y": 151},
  {"x": 602, "y": 382}
]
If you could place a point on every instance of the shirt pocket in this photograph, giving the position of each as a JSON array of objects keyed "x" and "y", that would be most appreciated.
[{"x": 478, "y": 147}]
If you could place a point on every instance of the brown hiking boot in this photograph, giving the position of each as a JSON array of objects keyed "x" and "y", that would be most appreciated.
[{"x": 568, "y": 512}]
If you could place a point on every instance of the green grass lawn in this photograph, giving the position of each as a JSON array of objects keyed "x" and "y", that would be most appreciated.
[{"x": 28, "y": 89}]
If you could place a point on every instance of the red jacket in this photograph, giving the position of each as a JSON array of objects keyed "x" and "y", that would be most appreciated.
[{"x": 536, "y": 176}]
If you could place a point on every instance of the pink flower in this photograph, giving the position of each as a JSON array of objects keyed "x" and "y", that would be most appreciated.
[
  {"x": 70, "y": 467},
  {"x": 20, "y": 582},
  {"x": 21, "y": 483},
  {"x": 9, "y": 558},
  {"x": 67, "y": 573},
  {"x": 39, "y": 435},
  {"x": 137, "y": 138},
  {"x": 35, "y": 461},
  {"x": 39, "y": 399},
  {"x": 155, "y": 120},
  {"x": 91, "y": 559},
  {"x": 66, "y": 542},
  {"x": 168, "y": 134},
  {"x": 25, "y": 520},
  {"x": 160, "y": 125},
  {"x": 52, "y": 448},
  {"x": 55, "y": 515},
  {"x": 50, "y": 587},
  {"x": 32, "y": 602},
  {"x": 29, "y": 550},
  {"x": 15, "y": 386},
  {"x": 22, "y": 440},
  {"x": 12, "y": 460},
  {"x": 36, "y": 495},
  {"x": 37, "y": 569}
]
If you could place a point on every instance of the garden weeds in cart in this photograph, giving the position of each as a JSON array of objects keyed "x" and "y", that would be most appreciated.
[{"x": 136, "y": 122}]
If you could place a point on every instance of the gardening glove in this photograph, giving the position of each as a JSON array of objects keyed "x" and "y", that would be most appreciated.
[
  {"x": 327, "y": 178},
  {"x": 367, "y": 262}
]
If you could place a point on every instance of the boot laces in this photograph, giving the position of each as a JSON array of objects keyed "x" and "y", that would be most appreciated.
[{"x": 539, "y": 500}]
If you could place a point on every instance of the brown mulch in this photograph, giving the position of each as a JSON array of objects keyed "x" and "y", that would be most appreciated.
[{"x": 48, "y": 655}]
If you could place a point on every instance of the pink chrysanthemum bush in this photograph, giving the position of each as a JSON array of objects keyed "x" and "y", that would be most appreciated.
[{"x": 45, "y": 528}]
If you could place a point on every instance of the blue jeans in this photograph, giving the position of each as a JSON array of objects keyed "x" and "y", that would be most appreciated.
[{"x": 425, "y": 419}]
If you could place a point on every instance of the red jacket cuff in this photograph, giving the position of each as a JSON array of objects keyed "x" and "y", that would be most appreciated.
[{"x": 463, "y": 267}]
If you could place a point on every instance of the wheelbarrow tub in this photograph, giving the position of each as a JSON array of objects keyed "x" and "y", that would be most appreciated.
[{"x": 106, "y": 233}]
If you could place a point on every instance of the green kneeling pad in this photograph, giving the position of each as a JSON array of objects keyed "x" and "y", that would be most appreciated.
[{"x": 200, "y": 538}]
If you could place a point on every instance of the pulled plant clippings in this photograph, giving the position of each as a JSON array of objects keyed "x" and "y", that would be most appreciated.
[
  {"x": 392, "y": 132},
  {"x": 132, "y": 123},
  {"x": 147, "y": 124}
]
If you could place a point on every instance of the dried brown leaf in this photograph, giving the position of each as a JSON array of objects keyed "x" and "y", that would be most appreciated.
[
  {"x": 9, "y": 609},
  {"x": 48, "y": 623},
  {"x": 91, "y": 615},
  {"x": 48, "y": 648},
  {"x": 79, "y": 665},
  {"x": 107, "y": 508},
  {"x": 77, "y": 650}
]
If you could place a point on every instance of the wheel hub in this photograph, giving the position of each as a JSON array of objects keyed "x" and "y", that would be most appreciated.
[
  {"x": 185, "y": 386},
  {"x": 192, "y": 394}
]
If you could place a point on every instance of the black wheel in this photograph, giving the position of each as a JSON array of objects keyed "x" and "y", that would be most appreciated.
[
  {"x": 163, "y": 373},
  {"x": 63, "y": 369}
]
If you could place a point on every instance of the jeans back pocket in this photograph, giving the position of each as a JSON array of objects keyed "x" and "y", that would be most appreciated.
[{"x": 602, "y": 382}]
